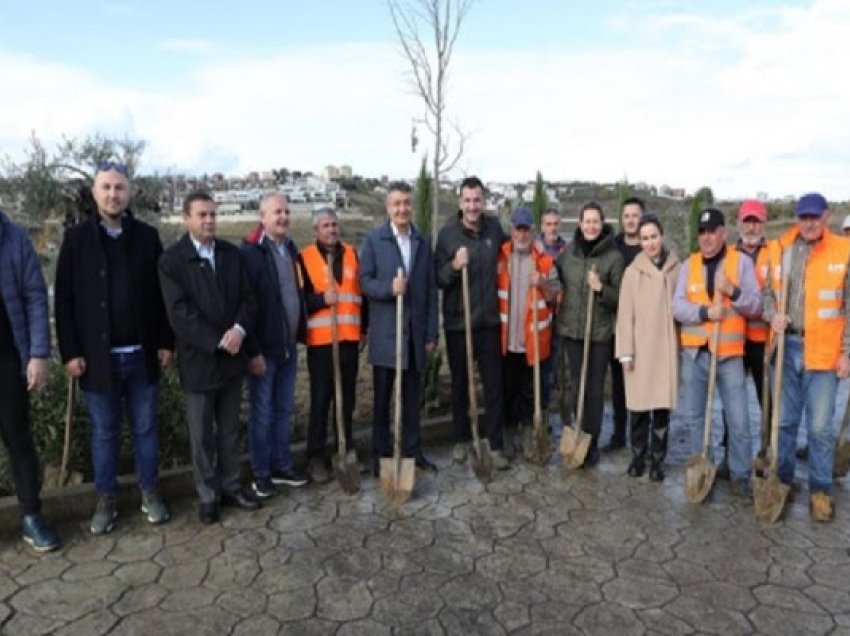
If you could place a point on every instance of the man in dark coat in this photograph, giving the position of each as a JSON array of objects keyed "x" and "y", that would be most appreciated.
[
  {"x": 271, "y": 260},
  {"x": 472, "y": 241},
  {"x": 398, "y": 245},
  {"x": 114, "y": 337},
  {"x": 24, "y": 352},
  {"x": 210, "y": 305}
]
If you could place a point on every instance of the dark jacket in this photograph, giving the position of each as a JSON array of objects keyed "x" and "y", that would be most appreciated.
[
  {"x": 24, "y": 292},
  {"x": 573, "y": 266},
  {"x": 82, "y": 298},
  {"x": 202, "y": 305},
  {"x": 380, "y": 259},
  {"x": 628, "y": 252},
  {"x": 272, "y": 333},
  {"x": 483, "y": 248}
]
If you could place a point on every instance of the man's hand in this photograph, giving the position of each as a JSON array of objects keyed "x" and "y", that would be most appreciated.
[
  {"x": 399, "y": 285},
  {"x": 842, "y": 367},
  {"x": 257, "y": 366},
  {"x": 715, "y": 312},
  {"x": 331, "y": 297},
  {"x": 594, "y": 281},
  {"x": 722, "y": 283},
  {"x": 164, "y": 356},
  {"x": 231, "y": 341},
  {"x": 536, "y": 278},
  {"x": 75, "y": 367},
  {"x": 629, "y": 365},
  {"x": 36, "y": 373},
  {"x": 780, "y": 323},
  {"x": 461, "y": 259},
  {"x": 430, "y": 347}
]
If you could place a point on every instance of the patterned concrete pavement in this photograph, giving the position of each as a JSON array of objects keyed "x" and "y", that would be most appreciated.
[{"x": 534, "y": 552}]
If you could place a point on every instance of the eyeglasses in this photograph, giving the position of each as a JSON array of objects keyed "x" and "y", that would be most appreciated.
[{"x": 105, "y": 166}]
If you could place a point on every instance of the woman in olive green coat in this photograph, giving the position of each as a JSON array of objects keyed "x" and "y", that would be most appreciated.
[{"x": 591, "y": 261}]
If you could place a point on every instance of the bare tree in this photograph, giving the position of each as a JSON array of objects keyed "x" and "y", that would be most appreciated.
[{"x": 427, "y": 31}]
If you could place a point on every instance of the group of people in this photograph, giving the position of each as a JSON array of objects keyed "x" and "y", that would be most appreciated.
[{"x": 124, "y": 307}]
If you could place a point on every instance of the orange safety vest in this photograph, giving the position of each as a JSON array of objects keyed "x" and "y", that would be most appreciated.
[
  {"x": 349, "y": 298},
  {"x": 757, "y": 328},
  {"x": 732, "y": 327},
  {"x": 543, "y": 263},
  {"x": 823, "y": 296}
]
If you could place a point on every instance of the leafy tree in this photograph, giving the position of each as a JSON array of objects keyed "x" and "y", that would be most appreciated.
[
  {"x": 422, "y": 202},
  {"x": 624, "y": 191},
  {"x": 540, "y": 201},
  {"x": 703, "y": 198}
]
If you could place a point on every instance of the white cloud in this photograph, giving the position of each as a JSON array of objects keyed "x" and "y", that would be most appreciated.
[{"x": 752, "y": 102}]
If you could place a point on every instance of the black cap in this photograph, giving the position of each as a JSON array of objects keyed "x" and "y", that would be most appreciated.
[{"x": 711, "y": 219}]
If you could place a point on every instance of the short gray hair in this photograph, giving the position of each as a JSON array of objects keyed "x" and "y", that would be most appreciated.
[
  {"x": 321, "y": 212},
  {"x": 273, "y": 195}
]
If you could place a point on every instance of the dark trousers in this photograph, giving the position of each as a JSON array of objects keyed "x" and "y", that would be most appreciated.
[
  {"x": 383, "y": 380},
  {"x": 486, "y": 350},
  {"x": 598, "y": 359},
  {"x": 657, "y": 421},
  {"x": 213, "y": 422},
  {"x": 17, "y": 434},
  {"x": 753, "y": 364},
  {"x": 517, "y": 389},
  {"x": 618, "y": 399},
  {"x": 320, "y": 367}
]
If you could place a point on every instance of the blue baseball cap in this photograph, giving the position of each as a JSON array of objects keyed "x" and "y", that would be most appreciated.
[
  {"x": 522, "y": 217},
  {"x": 812, "y": 204}
]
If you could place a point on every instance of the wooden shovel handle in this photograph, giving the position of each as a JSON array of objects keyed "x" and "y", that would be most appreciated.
[
  {"x": 467, "y": 325},
  {"x": 340, "y": 425},
  {"x": 399, "y": 364}
]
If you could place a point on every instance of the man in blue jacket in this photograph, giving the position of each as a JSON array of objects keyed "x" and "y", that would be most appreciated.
[
  {"x": 271, "y": 260},
  {"x": 24, "y": 350},
  {"x": 397, "y": 244}
]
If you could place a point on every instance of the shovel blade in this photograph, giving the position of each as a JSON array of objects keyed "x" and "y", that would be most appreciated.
[
  {"x": 481, "y": 460},
  {"x": 574, "y": 446},
  {"x": 761, "y": 464},
  {"x": 699, "y": 478},
  {"x": 397, "y": 479},
  {"x": 841, "y": 465},
  {"x": 769, "y": 496},
  {"x": 541, "y": 447},
  {"x": 347, "y": 472}
]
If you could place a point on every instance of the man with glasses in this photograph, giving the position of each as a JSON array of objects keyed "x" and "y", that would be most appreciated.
[
  {"x": 114, "y": 337},
  {"x": 817, "y": 343},
  {"x": 717, "y": 284}
]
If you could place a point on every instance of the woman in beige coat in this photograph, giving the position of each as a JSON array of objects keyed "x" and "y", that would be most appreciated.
[{"x": 647, "y": 347}]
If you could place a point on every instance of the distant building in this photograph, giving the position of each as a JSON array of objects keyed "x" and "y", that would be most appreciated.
[
  {"x": 331, "y": 172},
  {"x": 345, "y": 172}
]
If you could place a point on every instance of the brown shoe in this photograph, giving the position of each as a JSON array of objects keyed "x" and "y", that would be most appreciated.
[{"x": 821, "y": 507}]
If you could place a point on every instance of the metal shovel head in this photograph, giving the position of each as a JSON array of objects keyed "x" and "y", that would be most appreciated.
[
  {"x": 541, "y": 446},
  {"x": 761, "y": 464},
  {"x": 574, "y": 446},
  {"x": 481, "y": 460},
  {"x": 841, "y": 465},
  {"x": 699, "y": 478},
  {"x": 347, "y": 471},
  {"x": 397, "y": 479},
  {"x": 769, "y": 495}
]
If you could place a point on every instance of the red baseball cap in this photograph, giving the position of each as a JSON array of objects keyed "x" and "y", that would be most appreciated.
[{"x": 752, "y": 208}]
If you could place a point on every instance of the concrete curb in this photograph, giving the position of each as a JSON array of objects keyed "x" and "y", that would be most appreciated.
[{"x": 77, "y": 503}]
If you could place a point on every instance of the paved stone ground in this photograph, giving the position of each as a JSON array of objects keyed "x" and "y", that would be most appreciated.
[{"x": 537, "y": 551}]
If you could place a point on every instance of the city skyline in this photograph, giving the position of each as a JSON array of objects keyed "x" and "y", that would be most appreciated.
[{"x": 743, "y": 100}]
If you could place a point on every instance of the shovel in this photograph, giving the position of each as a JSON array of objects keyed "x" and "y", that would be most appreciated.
[
  {"x": 841, "y": 463},
  {"x": 541, "y": 445},
  {"x": 345, "y": 461},
  {"x": 769, "y": 494},
  {"x": 479, "y": 454},
  {"x": 574, "y": 441},
  {"x": 69, "y": 418},
  {"x": 397, "y": 473},
  {"x": 700, "y": 472}
]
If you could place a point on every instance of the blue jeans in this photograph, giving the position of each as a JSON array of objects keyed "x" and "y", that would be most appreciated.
[
  {"x": 733, "y": 392},
  {"x": 812, "y": 393},
  {"x": 272, "y": 409},
  {"x": 132, "y": 391}
]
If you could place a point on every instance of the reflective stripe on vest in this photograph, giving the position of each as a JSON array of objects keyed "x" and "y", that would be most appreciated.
[
  {"x": 543, "y": 264},
  {"x": 823, "y": 297},
  {"x": 349, "y": 298},
  {"x": 732, "y": 327}
]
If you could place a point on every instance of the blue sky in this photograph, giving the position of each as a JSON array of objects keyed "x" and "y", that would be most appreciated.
[{"x": 739, "y": 96}]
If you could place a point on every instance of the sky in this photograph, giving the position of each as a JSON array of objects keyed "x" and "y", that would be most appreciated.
[{"x": 744, "y": 97}]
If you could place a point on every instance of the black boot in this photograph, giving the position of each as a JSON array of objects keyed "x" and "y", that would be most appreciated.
[
  {"x": 640, "y": 437},
  {"x": 637, "y": 465},
  {"x": 658, "y": 450}
]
